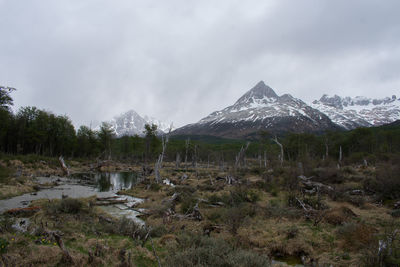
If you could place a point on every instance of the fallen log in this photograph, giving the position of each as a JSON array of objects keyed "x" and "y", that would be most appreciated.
[
  {"x": 106, "y": 198},
  {"x": 310, "y": 185},
  {"x": 24, "y": 211},
  {"x": 110, "y": 202}
]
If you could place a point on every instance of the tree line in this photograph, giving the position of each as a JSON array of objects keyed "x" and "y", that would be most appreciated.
[{"x": 34, "y": 131}]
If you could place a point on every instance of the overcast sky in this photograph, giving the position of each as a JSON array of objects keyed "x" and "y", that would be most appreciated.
[{"x": 179, "y": 60}]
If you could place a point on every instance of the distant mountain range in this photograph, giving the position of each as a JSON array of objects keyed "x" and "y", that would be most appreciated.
[
  {"x": 131, "y": 123},
  {"x": 359, "y": 111},
  {"x": 262, "y": 109}
]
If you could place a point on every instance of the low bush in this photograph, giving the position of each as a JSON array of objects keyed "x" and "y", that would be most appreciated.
[
  {"x": 5, "y": 173},
  {"x": 155, "y": 187},
  {"x": 3, "y": 245},
  {"x": 330, "y": 175},
  {"x": 355, "y": 236},
  {"x": 386, "y": 183},
  {"x": 235, "y": 217},
  {"x": 241, "y": 194},
  {"x": 66, "y": 205},
  {"x": 195, "y": 250}
]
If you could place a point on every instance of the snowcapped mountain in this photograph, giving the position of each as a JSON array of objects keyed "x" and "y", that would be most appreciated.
[
  {"x": 261, "y": 109},
  {"x": 161, "y": 125},
  {"x": 131, "y": 123},
  {"x": 359, "y": 111}
]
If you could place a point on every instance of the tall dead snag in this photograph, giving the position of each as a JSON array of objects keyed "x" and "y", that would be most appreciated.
[
  {"x": 326, "y": 149},
  {"x": 240, "y": 158},
  {"x": 194, "y": 158},
  {"x": 265, "y": 159},
  {"x": 187, "y": 142},
  {"x": 158, "y": 165},
  {"x": 275, "y": 139},
  {"x": 340, "y": 157},
  {"x": 63, "y": 165},
  {"x": 178, "y": 160}
]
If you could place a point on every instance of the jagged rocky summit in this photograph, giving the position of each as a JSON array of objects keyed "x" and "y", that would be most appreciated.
[
  {"x": 261, "y": 109},
  {"x": 359, "y": 111},
  {"x": 131, "y": 123}
]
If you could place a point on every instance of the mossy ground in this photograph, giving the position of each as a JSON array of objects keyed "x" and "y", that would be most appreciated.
[{"x": 267, "y": 224}]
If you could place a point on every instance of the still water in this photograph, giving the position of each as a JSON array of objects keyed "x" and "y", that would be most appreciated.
[{"x": 102, "y": 185}]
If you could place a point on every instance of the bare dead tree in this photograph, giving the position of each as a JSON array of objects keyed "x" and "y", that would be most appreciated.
[
  {"x": 275, "y": 139},
  {"x": 326, "y": 149},
  {"x": 187, "y": 142},
  {"x": 265, "y": 158},
  {"x": 240, "y": 158},
  {"x": 158, "y": 165},
  {"x": 194, "y": 158},
  {"x": 222, "y": 163},
  {"x": 178, "y": 160},
  {"x": 63, "y": 165}
]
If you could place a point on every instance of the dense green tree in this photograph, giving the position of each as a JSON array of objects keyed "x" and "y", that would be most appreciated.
[
  {"x": 87, "y": 142},
  {"x": 151, "y": 141},
  {"x": 106, "y": 136},
  {"x": 5, "y": 99}
]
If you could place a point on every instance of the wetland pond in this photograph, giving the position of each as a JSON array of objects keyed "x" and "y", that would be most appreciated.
[{"x": 103, "y": 185}]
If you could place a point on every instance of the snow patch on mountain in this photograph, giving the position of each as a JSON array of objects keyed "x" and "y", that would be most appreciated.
[
  {"x": 131, "y": 123},
  {"x": 261, "y": 109},
  {"x": 359, "y": 111},
  {"x": 262, "y": 102}
]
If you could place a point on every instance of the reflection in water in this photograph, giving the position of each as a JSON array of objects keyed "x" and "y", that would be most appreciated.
[
  {"x": 102, "y": 185},
  {"x": 115, "y": 181},
  {"x": 110, "y": 181}
]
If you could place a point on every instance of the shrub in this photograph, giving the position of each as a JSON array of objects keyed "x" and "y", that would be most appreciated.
[
  {"x": 214, "y": 216},
  {"x": 328, "y": 175},
  {"x": 195, "y": 250},
  {"x": 234, "y": 217},
  {"x": 3, "y": 245},
  {"x": 187, "y": 204},
  {"x": 5, "y": 173},
  {"x": 66, "y": 205},
  {"x": 395, "y": 213},
  {"x": 71, "y": 205},
  {"x": 386, "y": 183},
  {"x": 154, "y": 187},
  {"x": 123, "y": 226},
  {"x": 292, "y": 232},
  {"x": 241, "y": 194},
  {"x": 355, "y": 235}
]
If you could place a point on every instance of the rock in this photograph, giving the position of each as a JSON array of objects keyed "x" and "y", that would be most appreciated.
[{"x": 21, "y": 225}]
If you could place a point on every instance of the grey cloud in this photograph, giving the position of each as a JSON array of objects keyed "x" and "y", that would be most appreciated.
[{"x": 180, "y": 60}]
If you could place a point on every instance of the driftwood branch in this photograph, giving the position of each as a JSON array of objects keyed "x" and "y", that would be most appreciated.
[{"x": 66, "y": 256}]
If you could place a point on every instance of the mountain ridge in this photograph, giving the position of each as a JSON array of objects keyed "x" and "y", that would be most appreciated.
[{"x": 260, "y": 108}]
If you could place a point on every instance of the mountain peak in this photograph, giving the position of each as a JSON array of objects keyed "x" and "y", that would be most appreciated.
[{"x": 259, "y": 91}]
